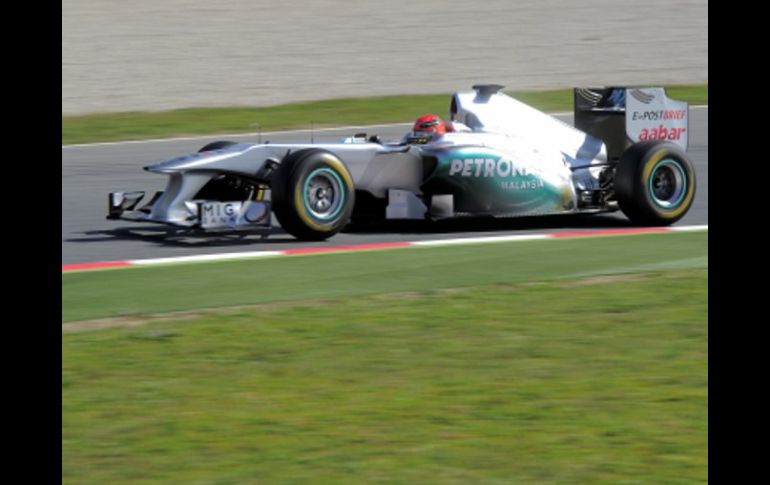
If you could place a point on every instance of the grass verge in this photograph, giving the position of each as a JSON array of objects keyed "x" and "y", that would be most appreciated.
[
  {"x": 584, "y": 381},
  {"x": 134, "y": 291},
  {"x": 336, "y": 112}
]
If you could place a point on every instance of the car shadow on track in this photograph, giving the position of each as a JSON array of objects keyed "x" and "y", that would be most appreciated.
[
  {"x": 187, "y": 238},
  {"x": 181, "y": 237}
]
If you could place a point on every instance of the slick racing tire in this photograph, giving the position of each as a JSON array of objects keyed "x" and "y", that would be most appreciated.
[
  {"x": 312, "y": 194},
  {"x": 654, "y": 183},
  {"x": 216, "y": 145}
]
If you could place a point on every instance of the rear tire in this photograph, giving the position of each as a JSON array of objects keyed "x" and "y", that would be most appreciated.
[
  {"x": 654, "y": 183},
  {"x": 312, "y": 194}
]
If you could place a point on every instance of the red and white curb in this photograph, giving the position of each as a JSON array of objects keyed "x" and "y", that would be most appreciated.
[{"x": 71, "y": 267}]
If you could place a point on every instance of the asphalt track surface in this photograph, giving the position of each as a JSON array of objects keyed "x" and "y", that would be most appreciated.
[{"x": 90, "y": 172}]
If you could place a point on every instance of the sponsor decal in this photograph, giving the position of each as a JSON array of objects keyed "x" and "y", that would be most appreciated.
[
  {"x": 233, "y": 214},
  {"x": 499, "y": 168},
  {"x": 255, "y": 213},
  {"x": 522, "y": 184},
  {"x": 641, "y": 96},
  {"x": 485, "y": 167},
  {"x": 667, "y": 114},
  {"x": 219, "y": 214},
  {"x": 590, "y": 96},
  {"x": 651, "y": 115},
  {"x": 661, "y": 133}
]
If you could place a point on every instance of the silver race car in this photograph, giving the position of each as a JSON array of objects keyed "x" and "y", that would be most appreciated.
[{"x": 503, "y": 158}]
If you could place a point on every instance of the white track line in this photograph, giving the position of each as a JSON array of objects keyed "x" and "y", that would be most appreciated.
[
  {"x": 205, "y": 257},
  {"x": 234, "y": 135},
  {"x": 703, "y": 227},
  {"x": 477, "y": 240}
]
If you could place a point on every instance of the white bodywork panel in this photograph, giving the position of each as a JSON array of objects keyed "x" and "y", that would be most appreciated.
[{"x": 499, "y": 113}]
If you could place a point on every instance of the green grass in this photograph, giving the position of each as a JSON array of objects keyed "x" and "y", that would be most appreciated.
[
  {"x": 335, "y": 112},
  {"x": 183, "y": 287},
  {"x": 509, "y": 383}
]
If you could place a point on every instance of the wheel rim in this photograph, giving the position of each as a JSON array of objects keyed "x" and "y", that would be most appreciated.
[
  {"x": 323, "y": 195},
  {"x": 668, "y": 184}
]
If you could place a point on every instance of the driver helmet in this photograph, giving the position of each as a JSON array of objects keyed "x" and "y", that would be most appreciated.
[
  {"x": 429, "y": 123},
  {"x": 425, "y": 128}
]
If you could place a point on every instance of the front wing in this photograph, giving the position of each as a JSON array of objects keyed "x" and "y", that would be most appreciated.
[{"x": 201, "y": 214}]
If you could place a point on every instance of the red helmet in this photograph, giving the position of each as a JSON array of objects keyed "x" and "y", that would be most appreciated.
[{"x": 429, "y": 124}]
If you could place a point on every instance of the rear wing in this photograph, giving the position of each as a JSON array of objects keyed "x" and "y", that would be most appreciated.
[{"x": 621, "y": 116}]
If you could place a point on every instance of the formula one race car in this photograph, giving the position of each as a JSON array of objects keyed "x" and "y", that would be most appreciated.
[{"x": 627, "y": 152}]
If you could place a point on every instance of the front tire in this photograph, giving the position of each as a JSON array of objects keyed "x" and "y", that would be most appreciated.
[
  {"x": 654, "y": 183},
  {"x": 312, "y": 194}
]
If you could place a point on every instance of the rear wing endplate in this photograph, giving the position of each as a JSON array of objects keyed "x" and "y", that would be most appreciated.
[{"x": 620, "y": 116}]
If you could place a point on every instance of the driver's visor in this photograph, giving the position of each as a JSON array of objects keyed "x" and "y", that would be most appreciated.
[{"x": 425, "y": 125}]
